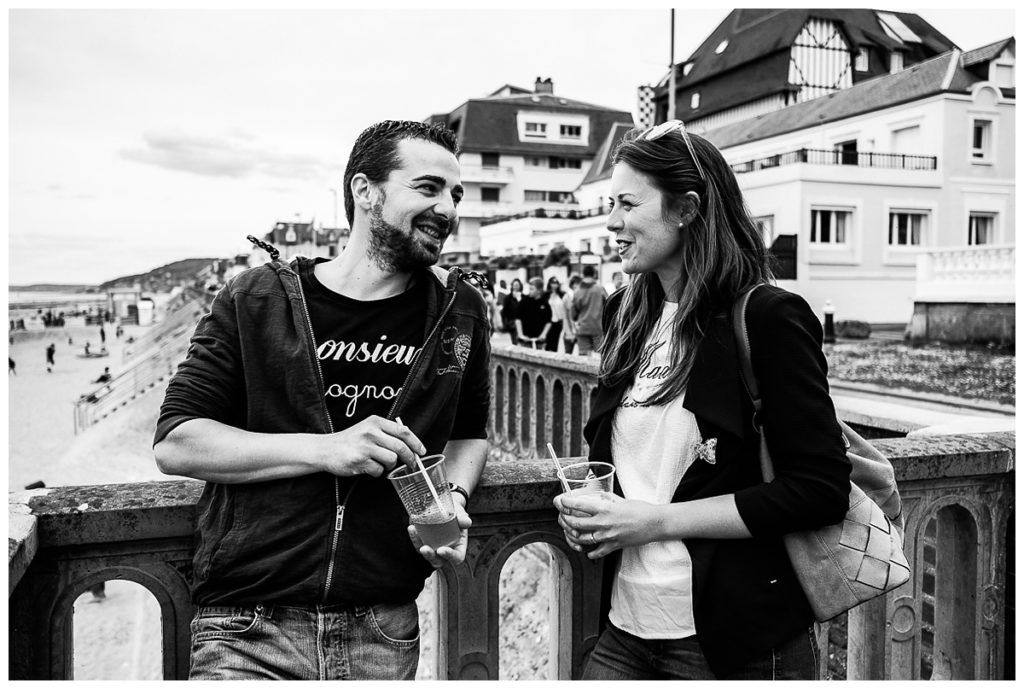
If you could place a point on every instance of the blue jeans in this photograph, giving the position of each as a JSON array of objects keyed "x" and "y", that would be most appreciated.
[
  {"x": 619, "y": 655},
  {"x": 379, "y": 642}
]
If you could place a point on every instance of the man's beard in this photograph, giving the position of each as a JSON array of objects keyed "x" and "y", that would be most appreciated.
[{"x": 393, "y": 250}]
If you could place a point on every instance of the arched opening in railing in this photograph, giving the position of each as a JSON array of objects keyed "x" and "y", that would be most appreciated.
[
  {"x": 513, "y": 399},
  {"x": 524, "y": 413},
  {"x": 117, "y": 633},
  {"x": 541, "y": 437},
  {"x": 950, "y": 620},
  {"x": 558, "y": 417},
  {"x": 499, "y": 401},
  {"x": 536, "y": 590},
  {"x": 576, "y": 421}
]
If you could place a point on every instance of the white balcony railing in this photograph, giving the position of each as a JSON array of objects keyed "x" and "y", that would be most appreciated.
[
  {"x": 488, "y": 175},
  {"x": 975, "y": 274}
]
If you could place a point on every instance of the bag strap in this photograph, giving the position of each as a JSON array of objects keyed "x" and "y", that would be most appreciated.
[{"x": 739, "y": 327}]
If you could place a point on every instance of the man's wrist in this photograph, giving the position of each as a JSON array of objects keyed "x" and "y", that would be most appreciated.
[{"x": 457, "y": 490}]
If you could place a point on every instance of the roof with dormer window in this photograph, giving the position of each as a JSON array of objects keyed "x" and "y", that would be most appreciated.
[{"x": 755, "y": 62}]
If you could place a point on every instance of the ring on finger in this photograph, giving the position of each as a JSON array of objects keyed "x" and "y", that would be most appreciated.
[{"x": 593, "y": 538}]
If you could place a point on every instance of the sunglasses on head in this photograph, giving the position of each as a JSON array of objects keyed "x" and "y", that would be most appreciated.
[{"x": 665, "y": 128}]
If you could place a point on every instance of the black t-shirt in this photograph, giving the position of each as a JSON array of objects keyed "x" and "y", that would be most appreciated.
[
  {"x": 535, "y": 314},
  {"x": 365, "y": 348}
]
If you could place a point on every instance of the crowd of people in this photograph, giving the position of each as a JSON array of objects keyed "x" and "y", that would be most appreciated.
[{"x": 552, "y": 316}]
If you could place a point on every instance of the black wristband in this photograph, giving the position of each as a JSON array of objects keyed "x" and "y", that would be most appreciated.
[{"x": 456, "y": 488}]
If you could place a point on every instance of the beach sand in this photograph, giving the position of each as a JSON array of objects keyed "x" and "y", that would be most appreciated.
[{"x": 117, "y": 637}]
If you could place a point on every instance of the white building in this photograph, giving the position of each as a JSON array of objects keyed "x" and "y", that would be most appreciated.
[
  {"x": 864, "y": 181},
  {"x": 521, "y": 151}
]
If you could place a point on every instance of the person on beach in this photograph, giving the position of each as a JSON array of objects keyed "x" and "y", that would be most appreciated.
[
  {"x": 51, "y": 350},
  {"x": 305, "y": 564},
  {"x": 11, "y": 366},
  {"x": 699, "y": 585}
]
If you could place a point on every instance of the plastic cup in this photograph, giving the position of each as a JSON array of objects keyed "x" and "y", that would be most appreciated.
[
  {"x": 435, "y": 524},
  {"x": 589, "y": 478}
]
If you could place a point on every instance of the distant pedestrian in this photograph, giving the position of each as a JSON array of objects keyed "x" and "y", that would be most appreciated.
[
  {"x": 103, "y": 335},
  {"x": 50, "y": 351},
  {"x": 10, "y": 366},
  {"x": 105, "y": 376},
  {"x": 510, "y": 308},
  {"x": 70, "y": 341},
  {"x": 569, "y": 329},
  {"x": 533, "y": 317},
  {"x": 558, "y": 315},
  {"x": 587, "y": 308},
  {"x": 87, "y": 349}
]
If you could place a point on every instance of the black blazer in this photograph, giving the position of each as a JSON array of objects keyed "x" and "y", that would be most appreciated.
[{"x": 746, "y": 596}]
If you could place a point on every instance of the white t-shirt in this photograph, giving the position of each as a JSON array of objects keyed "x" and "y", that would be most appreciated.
[{"x": 652, "y": 596}]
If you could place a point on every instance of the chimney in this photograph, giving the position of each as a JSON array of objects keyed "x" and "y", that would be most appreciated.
[
  {"x": 544, "y": 86},
  {"x": 645, "y": 105}
]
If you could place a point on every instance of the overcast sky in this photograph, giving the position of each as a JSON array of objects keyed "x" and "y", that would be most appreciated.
[{"x": 140, "y": 137}]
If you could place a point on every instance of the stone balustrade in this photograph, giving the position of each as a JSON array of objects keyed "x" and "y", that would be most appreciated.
[
  {"x": 975, "y": 274},
  {"x": 950, "y": 621}
]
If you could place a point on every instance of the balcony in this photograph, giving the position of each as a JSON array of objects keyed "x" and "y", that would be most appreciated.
[
  {"x": 812, "y": 156},
  {"x": 564, "y": 212},
  {"x": 482, "y": 174},
  {"x": 949, "y": 622}
]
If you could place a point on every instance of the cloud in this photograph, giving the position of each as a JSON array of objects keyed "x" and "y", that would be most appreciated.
[{"x": 234, "y": 156}]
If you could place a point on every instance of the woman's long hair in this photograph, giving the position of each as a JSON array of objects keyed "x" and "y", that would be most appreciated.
[{"x": 723, "y": 257}]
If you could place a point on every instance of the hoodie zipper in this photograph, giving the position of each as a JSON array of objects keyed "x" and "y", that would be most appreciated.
[{"x": 339, "y": 504}]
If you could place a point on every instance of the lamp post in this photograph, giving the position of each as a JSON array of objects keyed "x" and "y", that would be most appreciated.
[{"x": 334, "y": 192}]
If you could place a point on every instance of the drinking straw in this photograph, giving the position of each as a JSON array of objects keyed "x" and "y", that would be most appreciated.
[
  {"x": 558, "y": 468},
  {"x": 426, "y": 477}
]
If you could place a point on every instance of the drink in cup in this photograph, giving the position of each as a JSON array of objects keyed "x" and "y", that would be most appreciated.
[
  {"x": 589, "y": 478},
  {"x": 434, "y": 518}
]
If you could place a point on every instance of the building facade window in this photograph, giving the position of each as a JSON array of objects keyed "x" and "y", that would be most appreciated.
[
  {"x": 765, "y": 225},
  {"x": 863, "y": 62},
  {"x": 907, "y": 228},
  {"x": 981, "y": 140},
  {"x": 559, "y": 163},
  {"x": 490, "y": 159},
  {"x": 535, "y": 195},
  {"x": 895, "y": 62},
  {"x": 490, "y": 194},
  {"x": 830, "y": 226},
  {"x": 570, "y": 131},
  {"x": 535, "y": 161},
  {"x": 536, "y": 129},
  {"x": 584, "y": 246},
  {"x": 981, "y": 229}
]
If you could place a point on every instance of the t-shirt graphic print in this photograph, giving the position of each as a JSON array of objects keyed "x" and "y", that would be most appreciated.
[{"x": 365, "y": 348}]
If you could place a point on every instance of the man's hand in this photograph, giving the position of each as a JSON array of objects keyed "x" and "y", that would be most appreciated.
[
  {"x": 373, "y": 446},
  {"x": 454, "y": 554}
]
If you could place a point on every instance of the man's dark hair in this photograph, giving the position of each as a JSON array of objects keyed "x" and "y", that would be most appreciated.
[
  {"x": 589, "y": 271},
  {"x": 375, "y": 152}
]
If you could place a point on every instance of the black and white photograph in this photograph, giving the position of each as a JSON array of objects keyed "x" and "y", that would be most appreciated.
[{"x": 538, "y": 342}]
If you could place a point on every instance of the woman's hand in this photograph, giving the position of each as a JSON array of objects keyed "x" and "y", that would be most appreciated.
[{"x": 605, "y": 522}]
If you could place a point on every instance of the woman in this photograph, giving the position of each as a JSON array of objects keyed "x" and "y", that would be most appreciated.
[
  {"x": 510, "y": 308},
  {"x": 699, "y": 584},
  {"x": 555, "y": 297}
]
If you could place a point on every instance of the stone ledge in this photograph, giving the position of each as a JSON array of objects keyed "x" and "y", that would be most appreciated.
[{"x": 950, "y": 456}]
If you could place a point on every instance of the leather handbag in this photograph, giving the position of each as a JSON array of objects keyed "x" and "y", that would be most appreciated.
[{"x": 845, "y": 564}]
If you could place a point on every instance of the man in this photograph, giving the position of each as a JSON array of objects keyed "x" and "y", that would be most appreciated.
[
  {"x": 50, "y": 351},
  {"x": 305, "y": 566},
  {"x": 587, "y": 308},
  {"x": 533, "y": 317}
]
